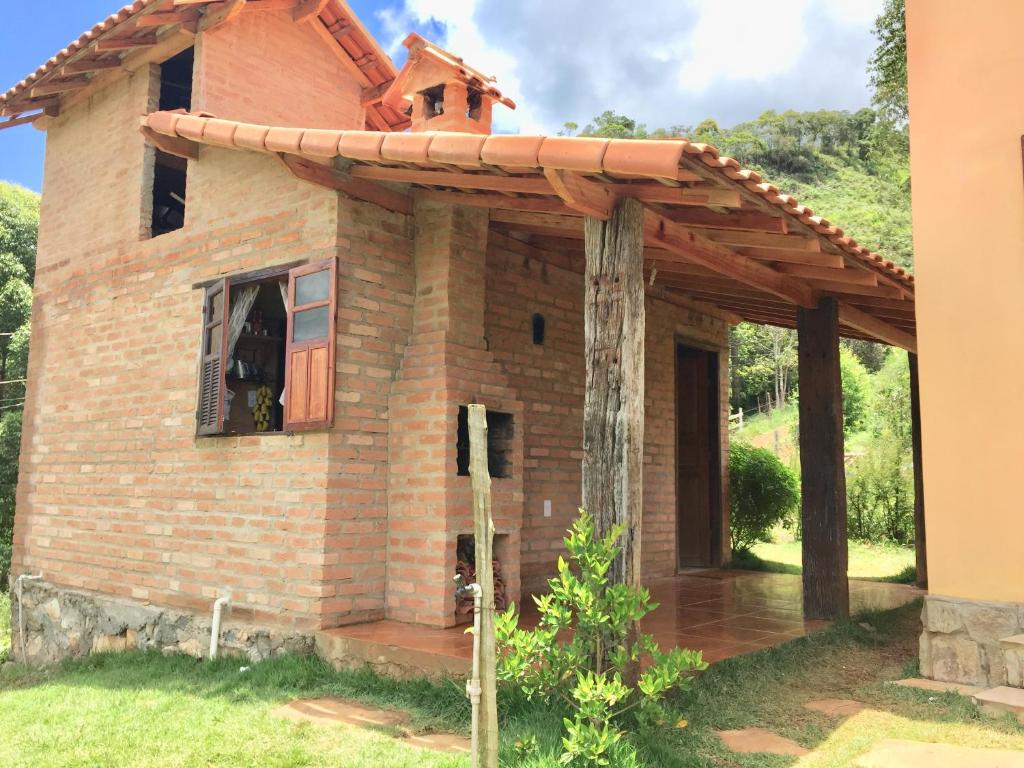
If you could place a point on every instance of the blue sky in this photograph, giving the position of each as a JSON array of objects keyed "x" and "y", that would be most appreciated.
[{"x": 664, "y": 62}]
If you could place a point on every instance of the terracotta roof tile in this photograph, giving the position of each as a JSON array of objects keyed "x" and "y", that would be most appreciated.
[{"x": 625, "y": 157}]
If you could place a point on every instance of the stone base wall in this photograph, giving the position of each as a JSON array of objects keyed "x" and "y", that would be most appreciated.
[
  {"x": 62, "y": 623},
  {"x": 962, "y": 642}
]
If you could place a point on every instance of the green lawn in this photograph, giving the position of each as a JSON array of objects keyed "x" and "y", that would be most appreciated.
[
  {"x": 149, "y": 710},
  {"x": 877, "y": 562}
]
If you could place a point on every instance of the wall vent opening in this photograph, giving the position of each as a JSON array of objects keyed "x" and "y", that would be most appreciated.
[{"x": 500, "y": 430}]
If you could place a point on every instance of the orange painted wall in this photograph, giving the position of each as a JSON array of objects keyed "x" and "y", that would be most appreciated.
[{"x": 966, "y": 120}]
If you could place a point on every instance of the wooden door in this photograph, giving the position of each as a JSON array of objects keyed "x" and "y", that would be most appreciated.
[{"x": 697, "y": 456}]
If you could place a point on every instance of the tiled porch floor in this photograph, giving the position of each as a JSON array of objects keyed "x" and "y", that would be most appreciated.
[{"x": 722, "y": 613}]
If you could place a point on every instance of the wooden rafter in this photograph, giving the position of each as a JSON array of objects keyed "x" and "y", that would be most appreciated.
[
  {"x": 213, "y": 17},
  {"x": 20, "y": 120},
  {"x": 329, "y": 177},
  {"x": 83, "y": 66},
  {"x": 125, "y": 43},
  {"x": 582, "y": 195},
  {"x": 879, "y": 329},
  {"x": 695, "y": 247},
  {"x": 170, "y": 17},
  {"x": 62, "y": 85},
  {"x": 307, "y": 10},
  {"x": 756, "y": 222}
]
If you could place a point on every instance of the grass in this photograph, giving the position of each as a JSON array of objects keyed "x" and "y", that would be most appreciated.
[
  {"x": 877, "y": 562},
  {"x": 151, "y": 710},
  {"x": 5, "y": 626}
]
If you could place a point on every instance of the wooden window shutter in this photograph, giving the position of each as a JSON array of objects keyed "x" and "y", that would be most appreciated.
[
  {"x": 210, "y": 409},
  {"x": 309, "y": 351}
]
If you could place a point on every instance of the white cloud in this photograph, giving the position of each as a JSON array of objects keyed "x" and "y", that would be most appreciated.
[{"x": 663, "y": 62}]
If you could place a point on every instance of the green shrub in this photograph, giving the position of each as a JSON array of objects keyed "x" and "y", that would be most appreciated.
[
  {"x": 856, "y": 391},
  {"x": 880, "y": 495},
  {"x": 585, "y": 671},
  {"x": 763, "y": 493}
]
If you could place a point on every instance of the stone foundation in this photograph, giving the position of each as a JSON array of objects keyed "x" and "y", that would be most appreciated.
[
  {"x": 62, "y": 623},
  {"x": 963, "y": 642}
]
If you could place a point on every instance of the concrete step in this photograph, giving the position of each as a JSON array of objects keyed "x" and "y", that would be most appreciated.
[
  {"x": 937, "y": 686},
  {"x": 393, "y": 656},
  {"x": 1002, "y": 699}
]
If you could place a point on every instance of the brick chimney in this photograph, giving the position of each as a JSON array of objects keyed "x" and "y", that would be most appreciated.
[{"x": 440, "y": 92}]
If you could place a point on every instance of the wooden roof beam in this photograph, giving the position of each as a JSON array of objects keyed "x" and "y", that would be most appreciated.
[
  {"x": 213, "y": 16},
  {"x": 83, "y": 66},
  {"x": 21, "y": 120},
  {"x": 749, "y": 220},
  {"x": 308, "y": 10},
  {"x": 62, "y": 85},
  {"x": 332, "y": 178},
  {"x": 876, "y": 328},
  {"x": 692, "y": 246},
  {"x": 125, "y": 43}
]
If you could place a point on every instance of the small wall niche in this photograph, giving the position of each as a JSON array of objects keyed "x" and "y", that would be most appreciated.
[
  {"x": 538, "y": 329},
  {"x": 500, "y": 430}
]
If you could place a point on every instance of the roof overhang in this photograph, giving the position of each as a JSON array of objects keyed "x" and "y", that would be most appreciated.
[
  {"x": 716, "y": 235},
  {"x": 128, "y": 38}
]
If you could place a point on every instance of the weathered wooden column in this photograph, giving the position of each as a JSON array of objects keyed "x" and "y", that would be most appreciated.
[
  {"x": 485, "y": 732},
  {"x": 613, "y": 405},
  {"x": 822, "y": 474},
  {"x": 920, "y": 542}
]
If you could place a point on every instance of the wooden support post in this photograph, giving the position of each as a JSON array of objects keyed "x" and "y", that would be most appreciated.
[
  {"x": 822, "y": 473},
  {"x": 613, "y": 404},
  {"x": 920, "y": 541},
  {"x": 483, "y": 531}
]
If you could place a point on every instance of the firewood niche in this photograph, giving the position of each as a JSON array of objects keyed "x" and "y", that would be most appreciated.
[{"x": 465, "y": 554}]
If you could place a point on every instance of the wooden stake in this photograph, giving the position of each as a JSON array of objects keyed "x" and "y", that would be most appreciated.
[
  {"x": 613, "y": 405},
  {"x": 483, "y": 531},
  {"x": 920, "y": 539},
  {"x": 822, "y": 472}
]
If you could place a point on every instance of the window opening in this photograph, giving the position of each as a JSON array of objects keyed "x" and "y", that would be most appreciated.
[
  {"x": 538, "y": 329},
  {"x": 499, "y": 443},
  {"x": 170, "y": 173}
]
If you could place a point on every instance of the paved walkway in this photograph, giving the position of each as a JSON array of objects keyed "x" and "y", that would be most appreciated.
[{"x": 722, "y": 613}]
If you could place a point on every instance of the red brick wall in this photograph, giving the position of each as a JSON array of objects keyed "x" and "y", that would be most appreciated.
[
  {"x": 116, "y": 494},
  {"x": 549, "y": 379},
  {"x": 264, "y": 68}
]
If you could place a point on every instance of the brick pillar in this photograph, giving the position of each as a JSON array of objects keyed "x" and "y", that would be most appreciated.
[{"x": 446, "y": 365}]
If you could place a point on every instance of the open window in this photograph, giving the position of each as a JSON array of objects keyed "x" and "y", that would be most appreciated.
[
  {"x": 268, "y": 361},
  {"x": 170, "y": 173}
]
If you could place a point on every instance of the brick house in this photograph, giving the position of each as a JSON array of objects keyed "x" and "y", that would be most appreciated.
[{"x": 258, "y": 321}]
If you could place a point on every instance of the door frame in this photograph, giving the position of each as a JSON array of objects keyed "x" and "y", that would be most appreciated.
[{"x": 718, "y": 511}]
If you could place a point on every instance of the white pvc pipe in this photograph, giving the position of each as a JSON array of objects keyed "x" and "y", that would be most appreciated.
[
  {"x": 473, "y": 685},
  {"x": 218, "y": 609},
  {"x": 21, "y": 612}
]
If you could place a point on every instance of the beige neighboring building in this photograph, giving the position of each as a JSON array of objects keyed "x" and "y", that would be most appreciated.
[{"x": 966, "y": 124}]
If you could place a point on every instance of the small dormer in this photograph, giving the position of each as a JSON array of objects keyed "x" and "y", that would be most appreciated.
[{"x": 440, "y": 92}]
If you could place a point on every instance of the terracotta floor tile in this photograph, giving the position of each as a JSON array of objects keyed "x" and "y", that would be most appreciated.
[{"x": 722, "y": 613}]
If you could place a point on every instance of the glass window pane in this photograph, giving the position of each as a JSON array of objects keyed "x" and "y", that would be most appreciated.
[
  {"x": 217, "y": 306},
  {"x": 311, "y": 324},
  {"x": 215, "y": 336},
  {"x": 314, "y": 287}
]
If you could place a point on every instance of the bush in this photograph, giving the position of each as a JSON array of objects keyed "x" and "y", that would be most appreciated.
[
  {"x": 880, "y": 495},
  {"x": 763, "y": 493},
  {"x": 585, "y": 672}
]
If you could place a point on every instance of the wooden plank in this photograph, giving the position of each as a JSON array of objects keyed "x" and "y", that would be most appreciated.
[
  {"x": 325, "y": 176},
  {"x": 580, "y": 194},
  {"x": 125, "y": 43},
  {"x": 920, "y": 538},
  {"x": 62, "y": 85},
  {"x": 846, "y": 289},
  {"x": 810, "y": 258},
  {"x": 696, "y": 196},
  {"x": 486, "y": 200},
  {"x": 760, "y": 239},
  {"x": 486, "y": 738},
  {"x": 172, "y": 145},
  {"x": 90, "y": 65},
  {"x": 756, "y": 222},
  {"x": 854, "y": 276},
  {"x": 214, "y": 17},
  {"x": 22, "y": 120},
  {"x": 308, "y": 10},
  {"x": 667, "y": 234},
  {"x": 613, "y": 403},
  {"x": 877, "y": 328},
  {"x": 822, "y": 471},
  {"x": 536, "y": 185},
  {"x": 374, "y": 94},
  {"x": 163, "y": 19}
]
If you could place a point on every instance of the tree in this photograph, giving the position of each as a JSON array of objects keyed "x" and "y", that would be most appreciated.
[
  {"x": 888, "y": 64},
  {"x": 763, "y": 361},
  {"x": 856, "y": 391},
  {"x": 19, "y": 230}
]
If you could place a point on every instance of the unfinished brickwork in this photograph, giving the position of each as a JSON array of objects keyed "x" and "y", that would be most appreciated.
[
  {"x": 120, "y": 504},
  {"x": 549, "y": 379}
]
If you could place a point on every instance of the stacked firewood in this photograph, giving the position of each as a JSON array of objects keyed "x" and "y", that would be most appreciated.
[{"x": 464, "y": 605}]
